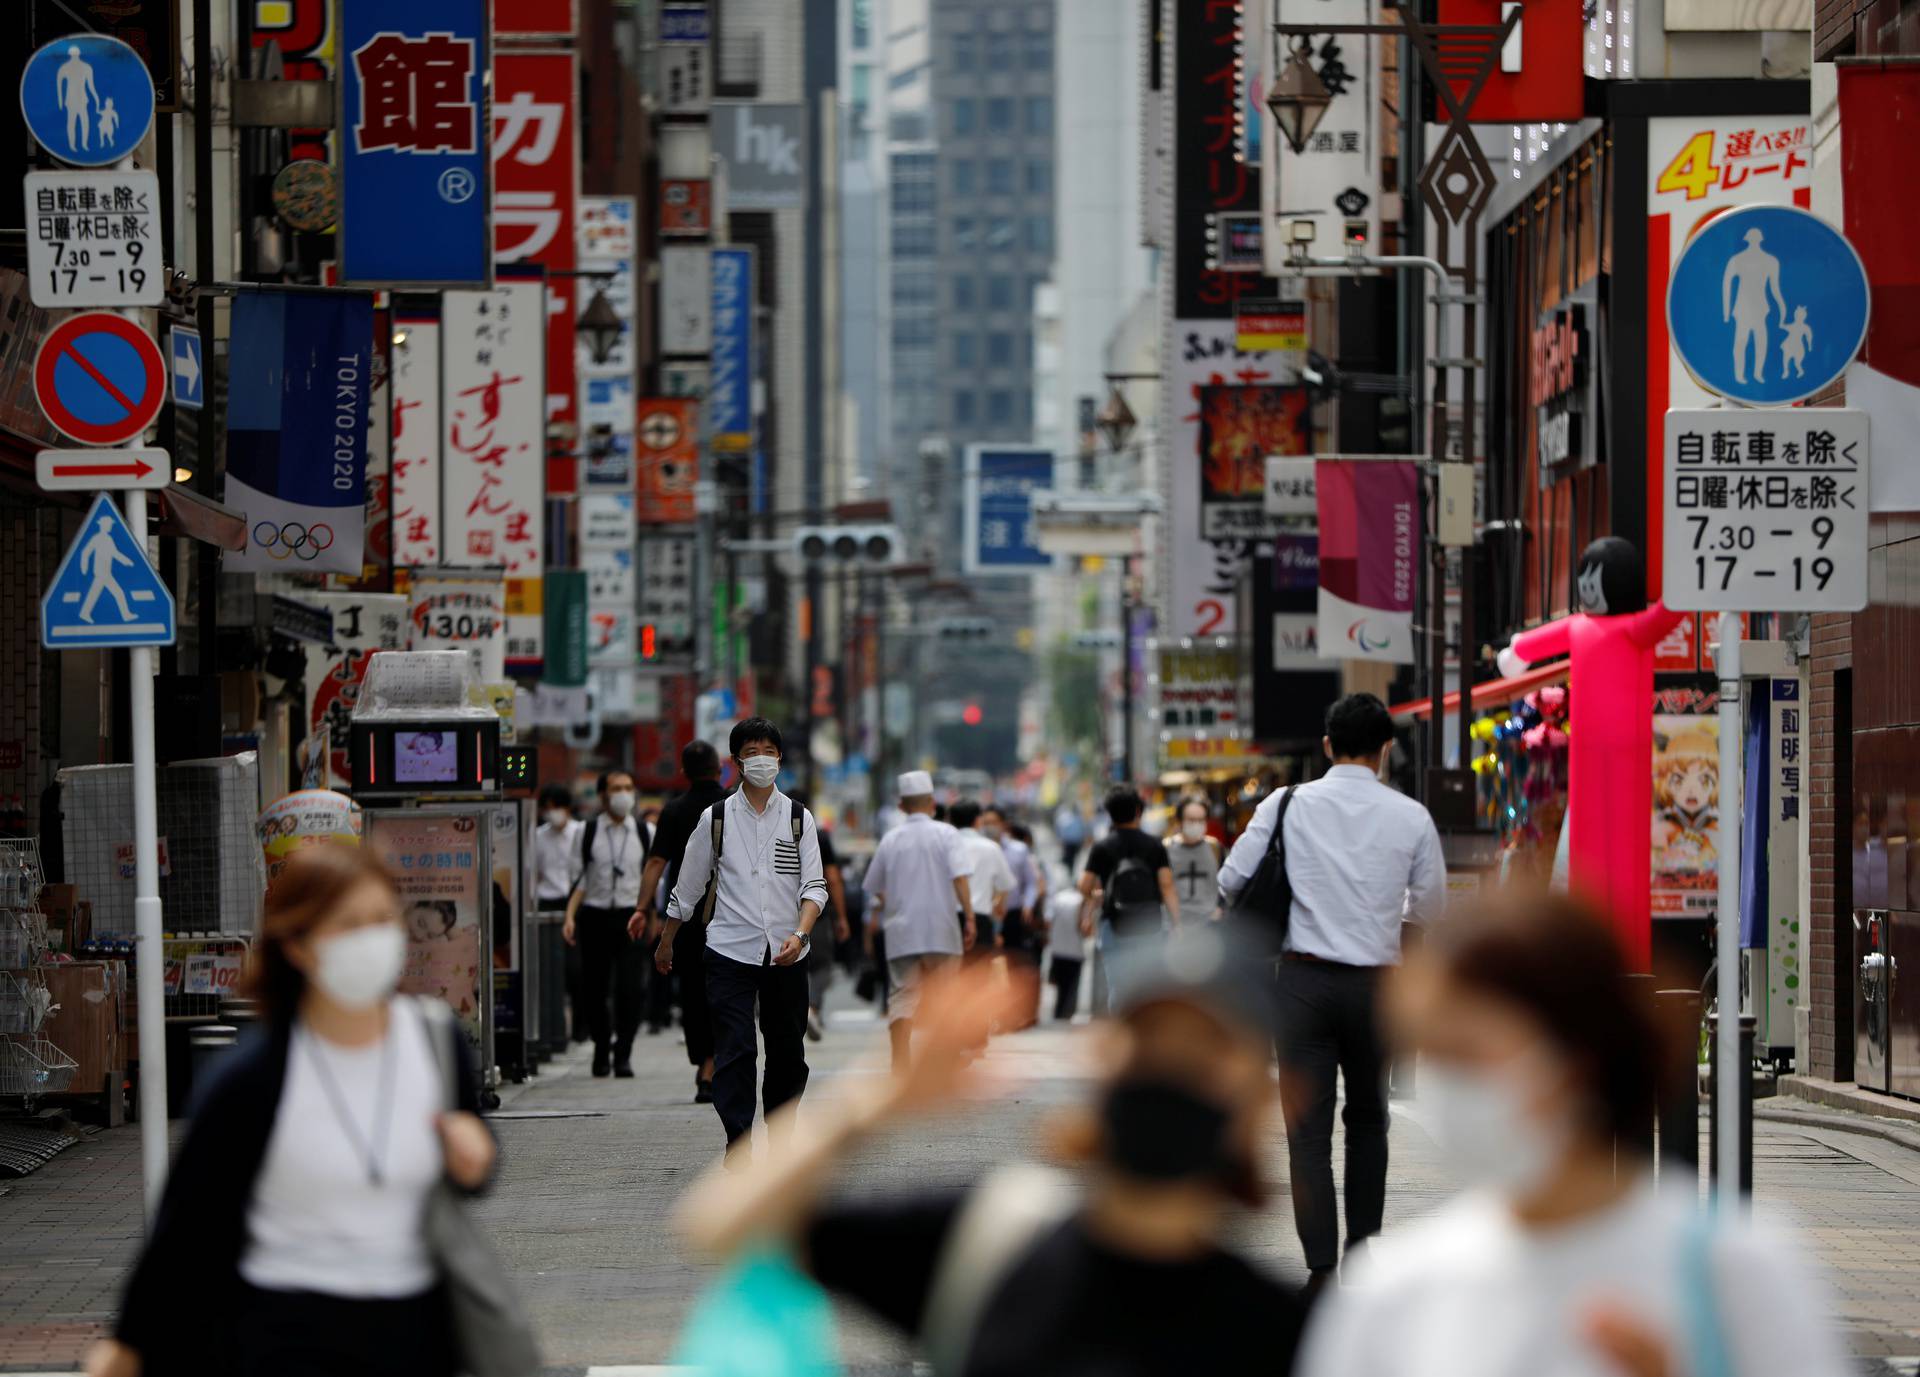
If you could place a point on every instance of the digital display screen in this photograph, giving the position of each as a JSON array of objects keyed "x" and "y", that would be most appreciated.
[{"x": 426, "y": 757}]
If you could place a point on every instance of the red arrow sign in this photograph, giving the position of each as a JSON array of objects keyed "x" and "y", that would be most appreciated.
[{"x": 89, "y": 470}]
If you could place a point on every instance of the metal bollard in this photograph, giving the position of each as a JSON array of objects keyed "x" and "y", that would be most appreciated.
[
  {"x": 1677, "y": 1102},
  {"x": 1747, "y": 1028}
]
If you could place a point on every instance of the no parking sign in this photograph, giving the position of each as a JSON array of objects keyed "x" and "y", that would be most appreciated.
[{"x": 99, "y": 378}]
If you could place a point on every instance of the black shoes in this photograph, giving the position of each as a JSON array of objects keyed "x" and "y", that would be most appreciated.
[
  {"x": 601, "y": 1066},
  {"x": 1318, "y": 1280},
  {"x": 623, "y": 1071},
  {"x": 702, "y": 1089}
]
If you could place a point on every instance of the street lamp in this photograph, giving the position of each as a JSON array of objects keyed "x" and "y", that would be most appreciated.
[
  {"x": 1298, "y": 98},
  {"x": 599, "y": 325},
  {"x": 1116, "y": 420}
]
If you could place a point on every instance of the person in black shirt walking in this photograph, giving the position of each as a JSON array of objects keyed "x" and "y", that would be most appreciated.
[
  {"x": 1128, "y": 887},
  {"x": 700, "y": 762}
]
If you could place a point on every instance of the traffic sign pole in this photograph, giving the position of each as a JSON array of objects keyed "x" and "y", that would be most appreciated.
[
  {"x": 1727, "y": 1066},
  {"x": 149, "y": 945}
]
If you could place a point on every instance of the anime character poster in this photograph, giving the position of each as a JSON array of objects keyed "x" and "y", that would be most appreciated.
[
  {"x": 1686, "y": 815},
  {"x": 1239, "y": 428},
  {"x": 440, "y": 865}
]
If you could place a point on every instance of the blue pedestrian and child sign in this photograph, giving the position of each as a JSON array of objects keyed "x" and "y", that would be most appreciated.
[
  {"x": 106, "y": 593},
  {"x": 88, "y": 99},
  {"x": 1767, "y": 305}
]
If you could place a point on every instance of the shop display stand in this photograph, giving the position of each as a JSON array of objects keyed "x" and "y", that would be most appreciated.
[{"x": 30, "y": 1065}]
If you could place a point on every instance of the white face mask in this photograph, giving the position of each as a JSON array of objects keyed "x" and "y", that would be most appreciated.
[
  {"x": 990, "y": 830},
  {"x": 557, "y": 818},
  {"x": 620, "y": 803},
  {"x": 361, "y": 968},
  {"x": 1193, "y": 831},
  {"x": 1486, "y": 1130},
  {"x": 760, "y": 770}
]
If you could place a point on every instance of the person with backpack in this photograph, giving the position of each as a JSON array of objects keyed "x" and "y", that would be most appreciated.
[
  {"x": 752, "y": 878},
  {"x": 1122, "y": 1270},
  {"x": 610, "y": 853},
  {"x": 1128, "y": 885},
  {"x": 1356, "y": 859}
]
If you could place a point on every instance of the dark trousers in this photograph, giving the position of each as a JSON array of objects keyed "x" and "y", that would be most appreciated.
[
  {"x": 301, "y": 1334},
  {"x": 1329, "y": 1028},
  {"x": 1065, "y": 974},
  {"x": 690, "y": 969},
  {"x": 732, "y": 988},
  {"x": 660, "y": 990},
  {"x": 611, "y": 961}
]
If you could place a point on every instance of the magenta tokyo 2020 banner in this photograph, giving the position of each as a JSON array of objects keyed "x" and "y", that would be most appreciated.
[{"x": 1369, "y": 557}]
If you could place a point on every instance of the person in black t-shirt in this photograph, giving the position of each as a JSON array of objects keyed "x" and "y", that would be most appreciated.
[
  {"x": 1127, "y": 893},
  {"x": 701, "y": 764},
  {"x": 1023, "y": 1273}
]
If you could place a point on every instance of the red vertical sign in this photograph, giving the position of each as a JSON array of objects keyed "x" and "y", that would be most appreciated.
[
  {"x": 536, "y": 181},
  {"x": 517, "y": 20}
]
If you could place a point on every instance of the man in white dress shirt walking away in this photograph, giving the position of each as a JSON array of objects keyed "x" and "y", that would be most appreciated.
[
  {"x": 1362, "y": 859},
  {"x": 609, "y": 853},
  {"x": 554, "y": 842},
  {"x": 767, "y": 891},
  {"x": 917, "y": 884}
]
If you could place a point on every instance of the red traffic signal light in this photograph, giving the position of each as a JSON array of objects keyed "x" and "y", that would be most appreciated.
[
  {"x": 971, "y": 714},
  {"x": 649, "y": 641}
]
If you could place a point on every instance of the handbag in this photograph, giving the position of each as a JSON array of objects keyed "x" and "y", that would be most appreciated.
[
  {"x": 1265, "y": 906},
  {"x": 763, "y": 1317},
  {"x": 491, "y": 1333}
]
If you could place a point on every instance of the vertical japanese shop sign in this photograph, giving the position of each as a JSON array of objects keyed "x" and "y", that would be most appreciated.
[
  {"x": 439, "y": 867},
  {"x": 1697, "y": 168},
  {"x": 413, "y": 165},
  {"x": 301, "y": 383},
  {"x": 667, "y": 460},
  {"x": 536, "y": 170},
  {"x": 362, "y": 624},
  {"x": 666, "y": 594},
  {"x": 606, "y": 245},
  {"x": 1369, "y": 556},
  {"x": 517, "y": 20},
  {"x": 730, "y": 387},
  {"x": 1210, "y": 180},
  {"x": 1335, "y": 178},
  {"x": 415, "y": 482},
  {"x": 493, "y": 442}
]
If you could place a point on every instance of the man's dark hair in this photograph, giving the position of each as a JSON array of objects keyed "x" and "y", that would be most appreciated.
[
  {"x": 699, "y": 760},
  {"x": 1124, "y": 804},
  {"x": 1359, "y": 725},
  {"x": 994, "y": 809},
  {"x": 1020, "y": 832},
  {"x": 556, "y": 796},
  {"x": 939, "y": 812},
  {"x": 752, "y": 729},
  {"x": 964, "y": 814},
  {"x": 608, "y": 776}
]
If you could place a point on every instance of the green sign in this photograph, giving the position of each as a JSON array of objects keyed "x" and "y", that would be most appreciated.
[{"x": 566, "y": 609}]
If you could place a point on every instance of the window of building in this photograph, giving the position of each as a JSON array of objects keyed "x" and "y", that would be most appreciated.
[
  {"x": 962, "y": 48},
  {"x": 963, "y": 115},
  {"x": 963, "y": 293},
  {"x": 999, "y": 349},
  {"x": 999, "y": 407},
  {"x": 861, "y": 23},
  {"x": 1039, "y": 52},
  {"x": 909, "y": 331},
  {"x": 962, "y": 176},
  {"x": 966, "y": 234},
  {"x": 999, "y": 176},
  {"x": 1000, "y": 55},
  {"x": 963, "y": 408},
  {"x": 999, "y": 233},
  {"x": 912, "y": 240},
  {"x": 963, "y": 350},
  {"x": 1039, "y": 114},
  {"x": 1040, "y": 234},
  {"x": 999, "y": 114},
  {"x": 913, "y": 289},
  {"x": 999, "y": 292},
  {"x": 1039, "y": 178}
]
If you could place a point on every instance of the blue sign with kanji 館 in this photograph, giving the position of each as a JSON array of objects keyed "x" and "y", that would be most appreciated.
[
  {"x": 415, "y": 170},
  {"x": 1000, "y": 533}
]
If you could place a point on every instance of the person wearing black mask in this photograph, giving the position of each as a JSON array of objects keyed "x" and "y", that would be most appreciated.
[{"x": 1024, "y": 1273}]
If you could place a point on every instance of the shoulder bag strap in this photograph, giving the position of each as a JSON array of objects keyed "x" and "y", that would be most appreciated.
[
  {"x": 588, "y": 832},
  {"x": 796, "y": 820},
  {"x": 718, "y": 813},
  {"x": 997, "y": 1224}
]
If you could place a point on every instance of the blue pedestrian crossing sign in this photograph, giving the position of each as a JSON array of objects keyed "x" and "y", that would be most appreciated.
[
  {"x": 88, "y": 99},
  {"x": 105, "y": 593},
  {"x": 1767, "y": 305},
  {"x": 189, "y": 383}
]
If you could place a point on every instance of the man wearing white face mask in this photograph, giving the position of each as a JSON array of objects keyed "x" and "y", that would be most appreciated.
[
  {"x": 610, "y": 854},
  {"x": 752, "y": 874}
]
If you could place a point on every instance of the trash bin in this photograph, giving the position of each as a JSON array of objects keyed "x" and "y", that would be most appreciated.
[{"x": 210, "y": 1043}]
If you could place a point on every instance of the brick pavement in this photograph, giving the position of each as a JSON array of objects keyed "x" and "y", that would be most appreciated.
[{"x": 591, "y": 1169}]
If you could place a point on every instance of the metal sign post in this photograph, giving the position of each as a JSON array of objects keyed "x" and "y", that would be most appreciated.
[
  {"x": 150, "y": 967},
  {"x": 1728, "y": 1067}
]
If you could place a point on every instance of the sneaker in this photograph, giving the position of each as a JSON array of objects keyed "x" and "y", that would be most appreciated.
[
  {"x": 602, "y": 1068},
  {"x": 623, "y": 1071},
  {"x": 702, "y": 1091},
  {"x": 815, "y": 1028}
]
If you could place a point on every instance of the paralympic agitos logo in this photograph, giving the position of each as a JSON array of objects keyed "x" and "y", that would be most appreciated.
[{"x": 1358, "y": 634}]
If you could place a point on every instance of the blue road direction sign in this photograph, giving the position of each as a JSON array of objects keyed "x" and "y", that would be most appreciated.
[
  {"x": 105, "y": 594},
  {"x": 88, "y": 99},
  {"x": 1767, "y": 305},
  {"x": 189, "y": 382}
]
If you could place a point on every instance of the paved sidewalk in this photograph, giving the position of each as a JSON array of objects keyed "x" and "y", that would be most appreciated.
[{"x": 592, "y": 1168}]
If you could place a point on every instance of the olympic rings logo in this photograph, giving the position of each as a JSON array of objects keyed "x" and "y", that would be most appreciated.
[{"x": 293, "y": 540}]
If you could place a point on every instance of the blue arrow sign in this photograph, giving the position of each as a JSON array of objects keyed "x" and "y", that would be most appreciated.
[
  {"x": 189, "y": 383},
  {"x": 88, "y": 99},
  {"x": 1767, "y": 305},
  {"x": 105, "y": 593}
]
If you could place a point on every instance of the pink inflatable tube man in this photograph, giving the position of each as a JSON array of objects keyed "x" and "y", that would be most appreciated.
[{"x": 1610, "y": 769}]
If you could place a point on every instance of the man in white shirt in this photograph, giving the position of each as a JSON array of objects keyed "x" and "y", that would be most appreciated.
[
  {"x": 554, "y": 841},
  {"x": 989, "y": 877},
  {"x": 768, "y": 890},
  {"x": 610, "y": 852},
  {"x": 918, "y": 883},
  {"x": 1362, "y": 859}
]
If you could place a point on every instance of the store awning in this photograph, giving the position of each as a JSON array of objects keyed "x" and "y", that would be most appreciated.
[
  {"x": 1501, "y": 691},
  {"x": 184, "y": 512}
]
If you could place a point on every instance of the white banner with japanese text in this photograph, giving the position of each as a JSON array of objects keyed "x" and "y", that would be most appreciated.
[{"x": 415, "y": 482}]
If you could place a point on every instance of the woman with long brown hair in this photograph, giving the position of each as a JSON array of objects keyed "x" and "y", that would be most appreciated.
[{"x": 291, "y": 1240}]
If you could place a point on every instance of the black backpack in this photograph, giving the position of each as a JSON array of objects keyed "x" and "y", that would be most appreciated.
[
  {"x": 796, "y": 823},
  {"x": 1133, "y": 893},
  {"x": 592, "y": 830}
]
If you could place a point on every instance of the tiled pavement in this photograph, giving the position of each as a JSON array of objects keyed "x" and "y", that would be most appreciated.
[{"x": 592, "y": 1167}]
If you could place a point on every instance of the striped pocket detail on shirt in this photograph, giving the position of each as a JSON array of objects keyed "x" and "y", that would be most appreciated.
[{"x": 786, "y": 858}]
